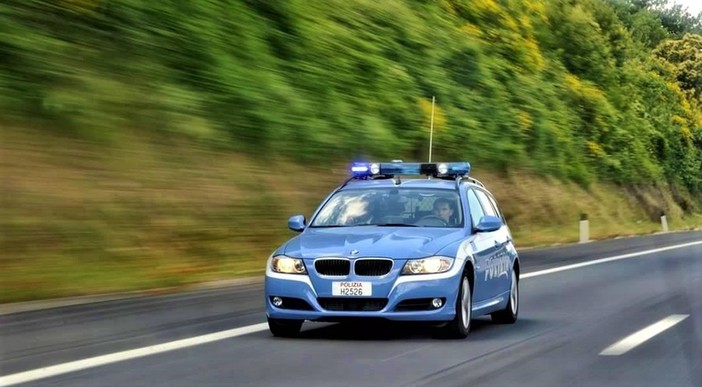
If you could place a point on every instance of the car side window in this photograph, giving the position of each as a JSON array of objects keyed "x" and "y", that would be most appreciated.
[
  {"x": 487, "y": 203},
  {"x": 476, "y": 210},
  {"x": 494, "y": 203}
]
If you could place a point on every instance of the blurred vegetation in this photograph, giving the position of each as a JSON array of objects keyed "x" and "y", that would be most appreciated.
[
  {"x": 581, "y": 92},
  {"x": 569, "y": 88}
]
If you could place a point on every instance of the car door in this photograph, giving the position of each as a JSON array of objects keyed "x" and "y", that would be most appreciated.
[
  {"x": 484, "y": 250},
  {"x": 500, "y": 265}
]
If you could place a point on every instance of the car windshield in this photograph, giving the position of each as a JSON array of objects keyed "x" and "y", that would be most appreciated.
[{"x": 391, "y": 207}]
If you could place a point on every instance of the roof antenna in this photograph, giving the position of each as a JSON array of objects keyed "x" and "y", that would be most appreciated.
[
  {"x": 431, "y": 126},
  {"x": 431, "y": 129}
]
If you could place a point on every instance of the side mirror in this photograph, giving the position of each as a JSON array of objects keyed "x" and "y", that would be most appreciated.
[
  {"x": 489, "y": 223},
  {"x": 296, "y": 223}
]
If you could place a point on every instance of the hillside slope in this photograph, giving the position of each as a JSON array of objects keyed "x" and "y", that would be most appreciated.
[
  {"x": 81, "y": 218},
  {"x": 147, "y": 144}
]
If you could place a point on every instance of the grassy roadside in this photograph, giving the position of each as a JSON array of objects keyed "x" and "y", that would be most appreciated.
[{"x": 83, "y": 217}]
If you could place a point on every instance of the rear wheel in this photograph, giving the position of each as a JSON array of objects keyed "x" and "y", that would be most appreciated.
[
  {"x": 460, "y": 326},
  {"x": 284, "y": 328},
  {"x": 509, "y": 314}
]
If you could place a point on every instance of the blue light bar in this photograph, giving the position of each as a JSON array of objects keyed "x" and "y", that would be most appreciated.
[
  {"x": 400, "y": 168},
  {"x": 453, "y": 168},
  {"x": 360, "y": 169},
  {"x": 448, "y": 169}
]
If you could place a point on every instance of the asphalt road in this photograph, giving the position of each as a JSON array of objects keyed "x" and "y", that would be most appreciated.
[{"x": 567, "y": 319}]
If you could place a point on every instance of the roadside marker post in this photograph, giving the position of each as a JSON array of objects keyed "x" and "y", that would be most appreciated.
[
  {"x": 664, "y": 223},
  {"x": 584, "y": 228}
]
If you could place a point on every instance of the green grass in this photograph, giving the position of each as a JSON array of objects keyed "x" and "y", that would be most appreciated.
[{"x": 84, "y": 218}]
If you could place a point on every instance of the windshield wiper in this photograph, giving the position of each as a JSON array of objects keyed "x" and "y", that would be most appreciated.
[
  {"x": 396, "y": 225},
  {"x": 332, "y": 226}
]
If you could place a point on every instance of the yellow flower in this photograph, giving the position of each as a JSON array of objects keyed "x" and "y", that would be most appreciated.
[{"x": 595, "y": 149}]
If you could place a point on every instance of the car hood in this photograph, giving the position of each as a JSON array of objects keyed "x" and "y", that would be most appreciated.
[{"x": 371, "y": 241}]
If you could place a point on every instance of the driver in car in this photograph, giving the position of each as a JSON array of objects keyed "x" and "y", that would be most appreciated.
[{"x": 443, "y": 210}]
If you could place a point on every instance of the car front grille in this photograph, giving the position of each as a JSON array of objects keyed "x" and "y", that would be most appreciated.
[
  {"x": 352, "y": 304},
  {"x": 333, "y": 267},
  {"x": 372, "y": 267}
]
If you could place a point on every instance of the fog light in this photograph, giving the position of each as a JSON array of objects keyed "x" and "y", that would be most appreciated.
[
  {"x": 436, "y": 303},
  {"x": 277, "y": 301}
]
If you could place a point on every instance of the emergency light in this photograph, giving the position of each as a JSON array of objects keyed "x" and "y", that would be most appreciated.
[{"x": 389, "y": 169}]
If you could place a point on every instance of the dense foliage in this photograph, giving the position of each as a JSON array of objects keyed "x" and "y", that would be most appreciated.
[{"x": 577, "y": 89}]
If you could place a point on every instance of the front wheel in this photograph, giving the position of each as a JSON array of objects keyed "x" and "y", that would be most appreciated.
[
  {"x": 509, "y": 314},
  {"x": 284, "y": 328},
  {"x": 459, "y": 327}
]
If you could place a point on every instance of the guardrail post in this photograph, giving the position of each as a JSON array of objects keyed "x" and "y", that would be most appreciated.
[
  {"x": 584, "y": 228},
  {"x": 664, "y": 222}
]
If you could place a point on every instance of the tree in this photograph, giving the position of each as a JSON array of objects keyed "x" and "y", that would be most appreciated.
[{"x": 685, "y": 57}]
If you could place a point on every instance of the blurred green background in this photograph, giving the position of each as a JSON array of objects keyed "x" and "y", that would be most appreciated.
[{"x": 155, "y": 144}]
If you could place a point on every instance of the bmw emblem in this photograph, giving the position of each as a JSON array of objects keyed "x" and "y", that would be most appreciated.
[{"x": 354, "y": 252}]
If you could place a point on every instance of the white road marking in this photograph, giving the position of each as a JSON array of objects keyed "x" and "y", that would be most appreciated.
[
  {"x": 97, "y": 361},
  {"x": 605, "y": 260},
  {"x": 637, "y": 338}
]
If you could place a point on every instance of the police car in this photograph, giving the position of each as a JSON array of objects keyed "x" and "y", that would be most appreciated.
[{"x": 432, "y": 248}]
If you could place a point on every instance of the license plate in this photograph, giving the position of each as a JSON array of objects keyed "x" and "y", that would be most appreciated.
[{"x": 352, "y": 289}]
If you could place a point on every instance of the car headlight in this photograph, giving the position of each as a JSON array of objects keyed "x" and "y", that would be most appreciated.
[
  {"x": 429, "y": 265},
  {"x": 287, "y": 265}
]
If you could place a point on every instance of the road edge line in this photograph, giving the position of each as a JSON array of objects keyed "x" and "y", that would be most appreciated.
[{"x": 605, "y": 260}]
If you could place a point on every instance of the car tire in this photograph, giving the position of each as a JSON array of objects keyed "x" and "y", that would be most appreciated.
[
  {"x": 509, "y": 314},
  {"x": 284, "y": 328},
  {"x": 459, "y": 327}
]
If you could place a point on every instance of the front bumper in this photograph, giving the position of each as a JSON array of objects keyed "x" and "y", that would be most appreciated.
[{"x": 299, "y": 287}]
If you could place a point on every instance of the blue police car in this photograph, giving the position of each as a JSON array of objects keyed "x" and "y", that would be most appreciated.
[{"x": 432, "y": 248}]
